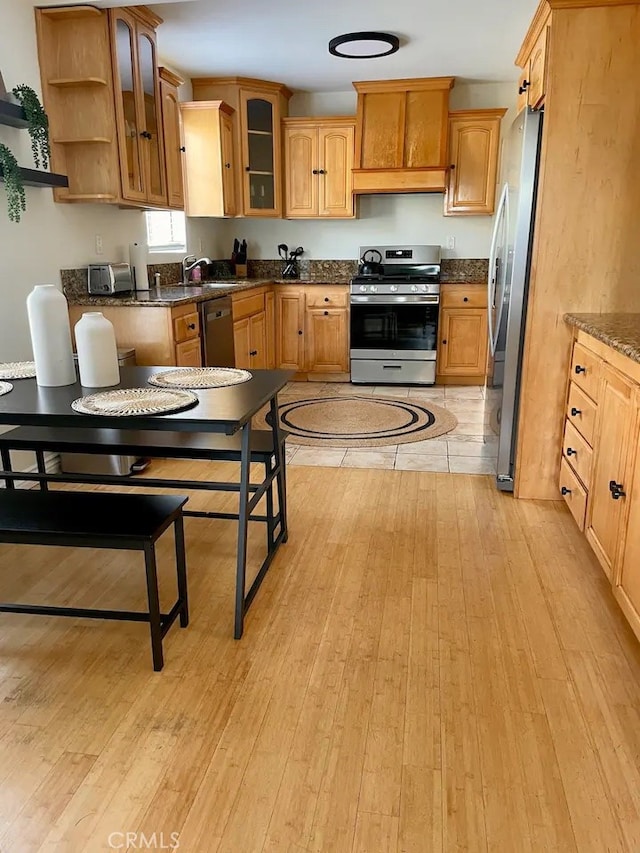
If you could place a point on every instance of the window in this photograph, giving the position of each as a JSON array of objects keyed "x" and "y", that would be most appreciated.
[{"x": 166, "y": 231}]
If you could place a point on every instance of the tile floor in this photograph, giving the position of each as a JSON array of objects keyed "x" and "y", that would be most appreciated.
[{"x": 471, "y": 448}]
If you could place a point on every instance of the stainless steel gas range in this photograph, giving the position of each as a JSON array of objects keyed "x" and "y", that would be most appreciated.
[{"x": 394, "y": 317}]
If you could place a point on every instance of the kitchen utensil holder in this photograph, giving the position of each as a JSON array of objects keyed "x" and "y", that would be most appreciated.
[{"x": 241, "y": 270}]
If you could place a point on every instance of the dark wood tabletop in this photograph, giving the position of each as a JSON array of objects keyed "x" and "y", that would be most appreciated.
[{"x": 218, "y": 409}]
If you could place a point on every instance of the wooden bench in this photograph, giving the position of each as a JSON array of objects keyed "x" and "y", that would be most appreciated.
[{"x": 101, "y": 520}]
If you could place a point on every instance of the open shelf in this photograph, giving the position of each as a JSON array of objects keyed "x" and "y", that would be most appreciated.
[
  {"x": 83, "y": 141},
  {"x": 38, "y": 178},
  {"x": 12, "y": 115},
  {"x": 79, "y": 82}
]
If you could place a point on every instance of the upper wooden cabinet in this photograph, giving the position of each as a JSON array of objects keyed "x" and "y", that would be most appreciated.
[
  {"x": 209, "y": 162},
  {"x": 101, "y": 91},
  {"x": 137, "y": 98},
  {"x": 169, "y": 83},
  {"x": 259, "y": 106},
  {"x": 532, "y": 59},
  {"x": 474, "y": 142},
  {"x": 318, "y": 157},
  {"x": 401, "y": 135}
]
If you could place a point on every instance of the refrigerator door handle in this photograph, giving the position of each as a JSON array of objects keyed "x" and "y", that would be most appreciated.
[{"x": 502, "y": 221}]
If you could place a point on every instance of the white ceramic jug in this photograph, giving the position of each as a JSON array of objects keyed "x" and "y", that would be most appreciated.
[
  {"x": 50, "y": 336},
  {"x": 97, "y": 351}
]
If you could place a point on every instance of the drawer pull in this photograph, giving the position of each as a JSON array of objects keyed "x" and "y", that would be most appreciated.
[
  {"x": 326, "y": 299},
  {"x": 326, "y": 313},
  {"x": 571, "y": 451},
  {"x": 299, "y": 331},
  {"x": 580, "y": 369},
  {"x": 191, "y": 326},
  {"x": 254, "y": 352},
  {"x": 465, "y": 299},
  {"x": 617, "y": 490},
  {"x": 575, "y": 411},
  {"x": 565, "y": 491}
]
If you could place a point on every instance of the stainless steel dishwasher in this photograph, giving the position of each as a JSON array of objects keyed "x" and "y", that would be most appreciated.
[
  {"x": 92, "y": 463},
  {"x": 216, "y": 326}
]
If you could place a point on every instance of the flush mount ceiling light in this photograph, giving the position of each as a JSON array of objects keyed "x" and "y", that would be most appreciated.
[{"x": 364, "y": 45}]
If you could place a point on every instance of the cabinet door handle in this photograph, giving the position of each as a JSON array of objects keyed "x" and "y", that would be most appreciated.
[
  {"x": 182, "y": 148},
  {"x": 326, "y": 313},
  {"x": 444, "y": 342},
  {"x": 315, "y": 172},
  {"x": 299, "y": 331},
  {"x": 326, "y": 299},
  {"x": 617, "y": 490},
  {"x": 247, "y": 168},
  {"x": 465, "y": 299},
  {"x": 191, "y": 326},
  {"x": 575, "y": 411},
  {"x": 571, "y": 451},
  {"x": 565, "y": 491},
  {"x": 525, "y": 85},
  {"x": 452, "y": 167},
  {"x": 227, "y": 165},
  {"x": 580, "y": 369},
  {"x": 254, "y": 352}
]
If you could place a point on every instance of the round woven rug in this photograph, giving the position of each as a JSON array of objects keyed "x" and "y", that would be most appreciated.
[{"x": 350, "y": 420}]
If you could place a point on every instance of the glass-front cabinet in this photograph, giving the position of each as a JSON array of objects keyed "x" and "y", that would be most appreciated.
[
  {"x": 137, "y": 89},
  {"x": 260, "y": 114}
]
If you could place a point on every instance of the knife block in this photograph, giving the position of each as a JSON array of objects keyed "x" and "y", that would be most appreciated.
[{"x": 241, "y": 270}]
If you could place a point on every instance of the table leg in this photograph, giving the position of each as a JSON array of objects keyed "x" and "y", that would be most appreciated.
[
  {"x": 42, "y": 469},
  {"x": 155, "y": 622},
  {"x": 243, "y": 528},
  {"x": 279, "y": 453},
  {"x": 6, "y": 465}
]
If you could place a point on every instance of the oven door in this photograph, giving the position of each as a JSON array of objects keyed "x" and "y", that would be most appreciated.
[{"x": 403, "y": 326}]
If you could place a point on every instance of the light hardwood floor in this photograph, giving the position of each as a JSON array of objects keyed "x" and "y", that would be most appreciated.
[{"x": 430, "y": 665}]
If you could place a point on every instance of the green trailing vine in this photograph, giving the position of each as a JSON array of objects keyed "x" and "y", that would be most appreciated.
[
  {"x": 38, "y": 124},
  {"x": 16, "y": 199}
]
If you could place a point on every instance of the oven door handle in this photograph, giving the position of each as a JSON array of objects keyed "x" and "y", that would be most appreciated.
[{"x": 395, "y": 300}]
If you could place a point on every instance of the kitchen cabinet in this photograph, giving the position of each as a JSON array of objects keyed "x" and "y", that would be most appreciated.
[
  {"x": 532, "y": 59},
  {"x": 137, "y": 98},
  {"x": 259, "y": 107},
  {"x": 209, "y": 161},
  {"x": 290, "y": 327},
  {"x": 250, "y": 330},
  {"x": 401, "y": 135},
  {"x": 600, "y": 479},
  {"x": 169, "y": 83},
  {"x": 270, "y": 318},
  {"x": 462, "y": 334},
  {"x": 159, "y": 335},
  {"x": 312, "y": 330},
  {"x": 318, "y": 168},
  {"x": 474, "y": 143},
  {"x": 106, "y": 120}
]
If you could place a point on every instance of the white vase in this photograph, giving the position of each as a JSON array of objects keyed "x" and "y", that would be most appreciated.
[
  {"x": 138, "y": 253},
  {"x": 50, "y": 336},
  {"x": 97, "y": 351}
]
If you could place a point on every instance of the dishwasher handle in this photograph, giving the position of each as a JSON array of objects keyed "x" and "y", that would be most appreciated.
[{"x": 217, "y": 315}]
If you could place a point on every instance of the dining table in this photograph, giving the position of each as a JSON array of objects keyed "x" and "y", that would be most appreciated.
[{"x": 226, "y": 411}]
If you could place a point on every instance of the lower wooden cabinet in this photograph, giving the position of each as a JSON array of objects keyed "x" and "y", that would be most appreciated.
[
  {"x": 290, "y": 328},
  {"x": 462, "y": 347},
  {"x": 189, "y": 354},
  {"x": 327, "y": 343},
  {"x": 250, "y": 342},
  {"x": 603, "y": 492}
]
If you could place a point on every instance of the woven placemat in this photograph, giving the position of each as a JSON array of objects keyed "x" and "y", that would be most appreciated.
[
  {"x": 17, "y": 370},
  {"x": 200, "y": 377},
  {"x": 132, "y": 402}
]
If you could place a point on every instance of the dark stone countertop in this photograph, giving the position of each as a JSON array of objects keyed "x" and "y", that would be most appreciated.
[
  {"x": 174, "y": 295},
  {"x": 619, "y": 331}
]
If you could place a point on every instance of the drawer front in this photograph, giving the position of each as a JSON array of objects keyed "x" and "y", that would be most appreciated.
[
  {"x": 245, "y": 306},
  {"x": 464, "y": 296},
  {"x": 326, "y": 297},
  {"x": 186, "y": 327},
  {"x": 585, "y": 371},
  {"x": 577, "y": 453},
  {"x": 581, "y": 412},
  {"x": 369, "y": 371},
  {"x": 574, "y": 495}
]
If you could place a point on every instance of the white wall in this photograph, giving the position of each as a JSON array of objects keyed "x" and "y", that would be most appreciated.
[
  {"x": 50, "y": 236},
  {"x": 412, "y": 218}
]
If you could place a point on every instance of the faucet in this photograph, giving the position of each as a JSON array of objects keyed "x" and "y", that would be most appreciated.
[{"x": 189, "y": 263}]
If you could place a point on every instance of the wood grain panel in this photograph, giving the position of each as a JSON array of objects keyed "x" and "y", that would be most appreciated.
[
  {"x": 301, "y": 159},
  {"x": 336, "y": 152},
  {"x": 574, "y": 494},
  {"x": 586, "y": 219},
  {"x": 425, "y": 132},
  {"x": 463, "y": 295},
  {"x": 582, "y": 412},
  {"x": 474, "y": 139},
  {"x": 578, "y": 453},
  {"x": 383, "y": 118}
]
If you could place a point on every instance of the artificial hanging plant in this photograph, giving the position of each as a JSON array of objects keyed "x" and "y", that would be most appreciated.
[
  {"x": 38, "y": 123},
  {"x": 16, "y": 199}
]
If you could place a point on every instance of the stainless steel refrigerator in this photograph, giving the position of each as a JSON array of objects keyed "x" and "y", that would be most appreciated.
[{"x": 508, "y": 284}]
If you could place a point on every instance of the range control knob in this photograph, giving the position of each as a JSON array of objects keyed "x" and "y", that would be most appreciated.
[
  {"x": 373, "y": 288},
  {"x": 394, "y": 288},
  {"x": 363, "y": 288},
  {"x": 414, "y": 288},
  {"x": 423, "y": 288}
]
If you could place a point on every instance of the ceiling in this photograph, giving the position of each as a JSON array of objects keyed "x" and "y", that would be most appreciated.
[{"x": 286, "y": 40}]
